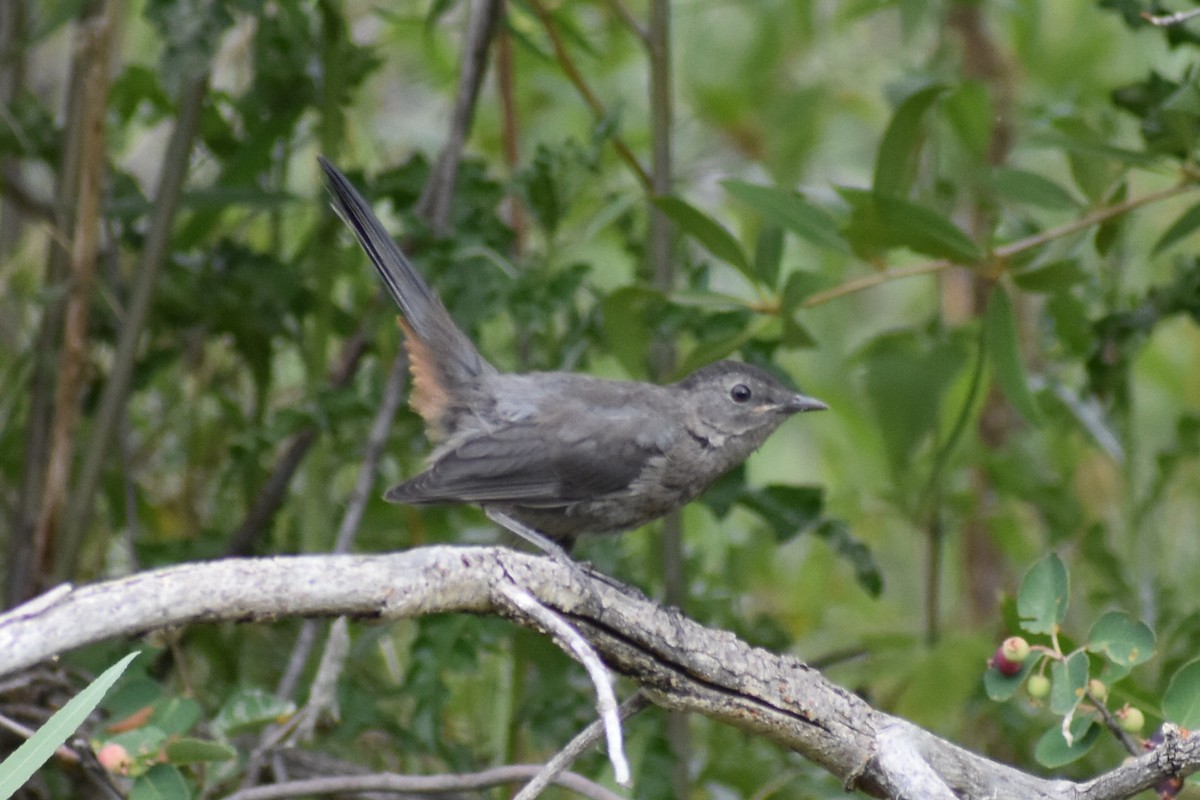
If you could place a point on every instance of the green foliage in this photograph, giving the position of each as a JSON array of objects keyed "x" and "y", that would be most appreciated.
[
  {"x": 1000, "y": 333},
  {"x": 1054, "y": 751},
  {"x": 1122, "y": 641},
  {"x": 1076, "y": 693},
  {"x": 907, "y": 374},
  {"x": 161, "y": 782},
  {"x": 791, "y": 212},
  {"x": 706, "y": 231},
  {"x": 1042, "y": 600},
  {"x": 879, "y": 223},
  {"x": 899, "y": 153},
  {"x": 1181, "y": 702}
]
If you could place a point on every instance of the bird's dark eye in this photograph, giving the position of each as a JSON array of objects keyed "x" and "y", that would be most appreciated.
[{"x": 740, "y": 393}]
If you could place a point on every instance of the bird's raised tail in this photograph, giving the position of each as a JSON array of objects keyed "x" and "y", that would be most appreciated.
[{"x": 444, "y": 362}]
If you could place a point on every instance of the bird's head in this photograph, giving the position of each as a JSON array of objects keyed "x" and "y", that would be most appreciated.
[{"x": 732, "y": 399}]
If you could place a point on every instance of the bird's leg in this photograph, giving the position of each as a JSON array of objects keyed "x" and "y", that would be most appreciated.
[
  {"x": 551, "y": 548},
  {"x": 537, "y": 539}
]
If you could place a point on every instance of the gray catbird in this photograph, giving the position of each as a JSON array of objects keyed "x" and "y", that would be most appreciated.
[{"x": 561, "y": 453}]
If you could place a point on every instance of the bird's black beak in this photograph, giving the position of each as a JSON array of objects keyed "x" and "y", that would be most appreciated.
[{"x": 802, "y": 402}]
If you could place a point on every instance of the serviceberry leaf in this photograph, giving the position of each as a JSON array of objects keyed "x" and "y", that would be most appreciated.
[
  {"x": 1181, "y": 703},
  {"x": 1125, "y": 642},
  {"x": 1052, "y": 749},
  {"x": 1068, "y": 681},
  {"x": 1001, "y": 687},
  {"x": 1042, "y": 598}
]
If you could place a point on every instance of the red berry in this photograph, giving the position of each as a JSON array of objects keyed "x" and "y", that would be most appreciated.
[
  {"x": 1004, "y": 665},
  {"x": 114, "y": 758}
]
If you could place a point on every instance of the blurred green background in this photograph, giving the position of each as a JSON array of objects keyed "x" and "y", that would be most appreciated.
[{"x": 966, "y": 226}]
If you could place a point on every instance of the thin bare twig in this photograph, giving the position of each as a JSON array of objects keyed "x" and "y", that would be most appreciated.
[
  {"x": 381, "y": 426},
  {"x": 23, "y": 564},
  {"x": 23, "y": 197},
  {"x": 509, "y": 130},
  {"x": 585, "y": 91},
  {"x": 1163, "y": 20},
  {"x": 577, "y": 747},
  {"x": 661, "y": 248},
  {"x": 1005, "y": 251},
  {"x": 441, "y": 784},
  {"x": 112, "y": 399},
  {"x": 92, "y": 41},
  {"x": 630, "y": 21},
  {"x": 14, "y": 33},
  {"x": 434, "y": 203},
  {"x": 570, "y": 639},
  {"x": 1114, "y": 727}
]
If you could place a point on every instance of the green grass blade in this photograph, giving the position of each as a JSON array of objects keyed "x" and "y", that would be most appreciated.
[{"x": 20, "y": 766}]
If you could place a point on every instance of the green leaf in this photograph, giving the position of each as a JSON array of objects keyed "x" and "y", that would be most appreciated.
[
  {"x": 968, "y": 109},
  {"x": 723, "y": 495},
  {"x": 704, "y": 299},
  {"x": 626, "y": 327},
  {"x": 1031, "y": 189},
  {"x": 707, "y": 232},
  {"x": 836, "y": 533},
  {"x": 900, "y": 149},
  {"x": 1057, "y": 276},
  {"x": 1068, "y": 680},
  {"x": 906, "y": 377},
  {"x": 176, "y": 715},
  {"x": 1001, "y": 687},
  {"x": 880, "y": 222},
  {"x": 143, "y": 743},
  {"x": 1052, "y": 749},
  {"x": 1121, "y": 639},
  {"x": 1077, "y": 137},
  {"x": 1072, "y": 324},
  {"x": 1109, "y": 232},
  {"x": 250, "y": 708},
  {"x": 937, "y": 682},
  {"x": 795, "y": 335},
  {"x": 1000, "y": 327},
  {"x": 800, "y": 284},
  {"x": 1181, "y": 228},
  {"x": 712, "y": 350},
  {"x": 1181, "y": 702},
  {"x": 539, "y": 183},
  {"x": 26, "y": 759},
  {"x": 792, "y": 212},
  {"x": 161, "y": 782},
  {"x": 134, "y": 695},
  {"x": 195, "y": 751},
  {"x": 768, "y": 254},
  {"x": 1090, "y": 158},
  {"x": 1042, "y": 598},
  {"x": 789, "y": 510}
]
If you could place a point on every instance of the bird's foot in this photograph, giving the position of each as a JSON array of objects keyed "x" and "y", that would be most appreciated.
[{"x": 541, "y": 542}]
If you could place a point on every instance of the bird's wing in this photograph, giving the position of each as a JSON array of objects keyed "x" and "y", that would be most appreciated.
[{"x": 531, "y": 465}]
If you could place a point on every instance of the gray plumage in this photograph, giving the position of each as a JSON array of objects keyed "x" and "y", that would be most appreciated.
[{"x": 562, "y": 453}]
